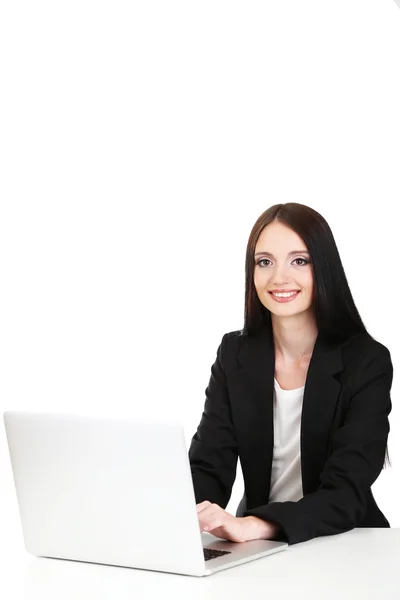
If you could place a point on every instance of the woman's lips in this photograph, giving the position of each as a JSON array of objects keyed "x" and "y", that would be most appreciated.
[{"x": 282, "y": 299}]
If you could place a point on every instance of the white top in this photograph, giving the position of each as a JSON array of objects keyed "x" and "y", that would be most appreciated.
[{"x": 286, "y": 483}]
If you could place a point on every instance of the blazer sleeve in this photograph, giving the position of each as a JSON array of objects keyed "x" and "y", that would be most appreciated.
[
  {"x": 354, "y": 463},
  {"x": 213, "y": 452}
]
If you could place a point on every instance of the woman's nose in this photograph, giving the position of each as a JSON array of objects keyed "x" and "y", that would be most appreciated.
[{"x": 279, "y": 274}]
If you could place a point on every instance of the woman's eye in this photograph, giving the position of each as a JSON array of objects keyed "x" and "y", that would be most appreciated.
[{"x": 303, "y": 261}]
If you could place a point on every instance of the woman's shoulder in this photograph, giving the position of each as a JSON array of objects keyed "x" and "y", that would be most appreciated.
[
  {"x": 230, "y": 345},
  {"x": 232, "y": 337},
  {"x": 363, "y": 349},
  {"x": 235, "y": 334},
  {"x": 366, "y": 360}
]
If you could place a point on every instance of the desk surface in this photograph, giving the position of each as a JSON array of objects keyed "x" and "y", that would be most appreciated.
[{"x": 362, "y": 563}]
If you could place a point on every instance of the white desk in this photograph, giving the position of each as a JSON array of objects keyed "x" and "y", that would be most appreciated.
[{"x": 359, "y": 564}]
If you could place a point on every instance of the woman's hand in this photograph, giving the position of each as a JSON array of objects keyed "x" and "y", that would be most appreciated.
[{"x": 215, "y": 520}]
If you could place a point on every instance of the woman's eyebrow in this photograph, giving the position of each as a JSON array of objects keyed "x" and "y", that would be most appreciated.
[{"x": 290, "y": 253}]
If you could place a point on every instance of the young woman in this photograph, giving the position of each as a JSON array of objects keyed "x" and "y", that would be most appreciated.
[{"x": 301, "y": 395}]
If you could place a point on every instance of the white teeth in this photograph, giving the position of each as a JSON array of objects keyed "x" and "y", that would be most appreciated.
[{"x": 284, "y": 295}]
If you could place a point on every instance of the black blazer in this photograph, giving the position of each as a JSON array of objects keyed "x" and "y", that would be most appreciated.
[{"x": 344, "y": 431}]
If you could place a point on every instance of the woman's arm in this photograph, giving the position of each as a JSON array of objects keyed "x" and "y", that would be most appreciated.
[{"x": 213, "y": 452}]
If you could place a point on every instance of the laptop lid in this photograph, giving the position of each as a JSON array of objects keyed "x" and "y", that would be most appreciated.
[{"x": 106, "y": 490}]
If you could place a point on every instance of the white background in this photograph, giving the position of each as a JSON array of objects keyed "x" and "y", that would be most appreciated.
[{"x": 140, "y": 141}]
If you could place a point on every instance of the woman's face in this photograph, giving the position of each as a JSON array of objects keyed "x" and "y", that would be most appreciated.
[{"x": 281, "y": 262}]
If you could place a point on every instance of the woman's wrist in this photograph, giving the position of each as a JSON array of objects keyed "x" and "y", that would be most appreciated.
[{"x": 258, "y": 529}]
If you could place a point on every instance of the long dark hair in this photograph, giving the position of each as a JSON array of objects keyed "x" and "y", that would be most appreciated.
[{"x": 337, "y": 317}]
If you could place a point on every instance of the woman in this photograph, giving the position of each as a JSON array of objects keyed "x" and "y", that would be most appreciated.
[{"x": 301, "y": 395}]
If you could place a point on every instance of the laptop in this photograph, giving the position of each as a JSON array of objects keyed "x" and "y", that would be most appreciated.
[{"x": 114, "y": 491}]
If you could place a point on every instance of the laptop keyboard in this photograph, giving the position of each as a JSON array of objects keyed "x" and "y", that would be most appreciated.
[{"x": 209, "y": 553}]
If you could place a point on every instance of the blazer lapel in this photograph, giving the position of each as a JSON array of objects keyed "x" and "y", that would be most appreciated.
[{"x": 253, "y": 384}]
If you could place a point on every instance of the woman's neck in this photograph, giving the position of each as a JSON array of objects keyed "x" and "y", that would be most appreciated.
[{"x": 294, "y": 343}]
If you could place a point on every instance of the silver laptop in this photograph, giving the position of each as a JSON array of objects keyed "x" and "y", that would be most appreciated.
[{"x": 114, "y": 491}]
